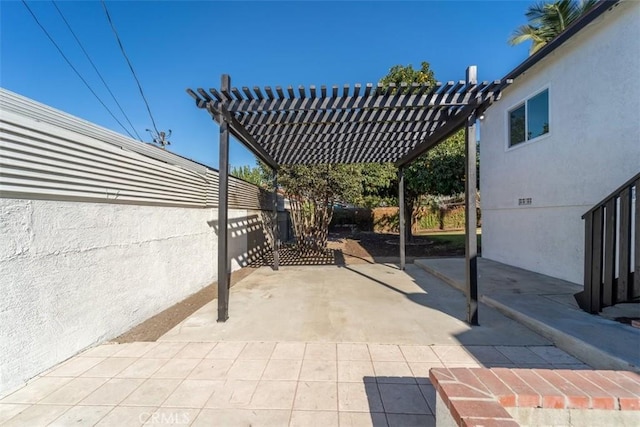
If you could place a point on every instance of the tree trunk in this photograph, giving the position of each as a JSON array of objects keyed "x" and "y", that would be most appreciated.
[{"x": 408, "y": 219}]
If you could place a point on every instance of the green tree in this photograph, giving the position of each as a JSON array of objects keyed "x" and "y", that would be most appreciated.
[
  {"x": 547, "y": 21},
  {"x": 378, "y": 185},
  {"x": 313, "y": 190},
  {"x": 441, "y": 170},
  {"x": 254, "y": 175}
]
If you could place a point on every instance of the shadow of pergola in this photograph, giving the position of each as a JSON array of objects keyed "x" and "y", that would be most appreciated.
[{"x": 293, "y": 256}]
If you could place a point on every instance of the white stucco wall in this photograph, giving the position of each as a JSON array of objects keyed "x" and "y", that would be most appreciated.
[
  {"x": 73, "y": 274},
  {"x": 593, "y": 147}
]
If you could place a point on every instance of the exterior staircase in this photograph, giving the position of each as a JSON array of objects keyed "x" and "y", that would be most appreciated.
[{"x": 612, "y": 250}]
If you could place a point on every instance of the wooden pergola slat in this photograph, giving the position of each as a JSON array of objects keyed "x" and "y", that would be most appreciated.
[{"x": 348, "y": 124}]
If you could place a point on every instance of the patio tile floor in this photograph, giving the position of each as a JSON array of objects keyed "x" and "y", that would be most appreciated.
[{"x": 316, "y": 385}]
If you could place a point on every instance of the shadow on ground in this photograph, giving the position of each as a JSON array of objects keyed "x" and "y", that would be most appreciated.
[
  {"x": 400, "y": 401},
  {"x": 291, "y": 256}
]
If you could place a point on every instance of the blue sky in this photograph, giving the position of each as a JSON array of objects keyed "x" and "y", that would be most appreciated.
[{"x": 180, "y": 44}]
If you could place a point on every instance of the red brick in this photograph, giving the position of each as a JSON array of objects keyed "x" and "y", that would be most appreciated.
[
  {"x": 624, "y": 381},
  {"x": 466, "y": 376},
  {"x": 606, "y": 384},
  {"x": 600, "y": 398},
  {"x": 462, "y": 391},
  {"x": 551, "y": 396},
  {"x": 575, "y": 397},
  {"x": 477, "y": 409},
  {"x": 505, "y": 395},
  {"x": 525, "y": 395},
  {"x": 631, "y": 375},
  {"x": 440, "y": 374},
  {"x": 488, "y": 422},
  {"x": 629, "y": 404}
]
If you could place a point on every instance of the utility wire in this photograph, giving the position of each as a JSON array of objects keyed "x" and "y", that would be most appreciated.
[
  {"x": 95, "y": 68},
  {"x": 74, "y": 68},
  {"x": 115, "y": 32}
]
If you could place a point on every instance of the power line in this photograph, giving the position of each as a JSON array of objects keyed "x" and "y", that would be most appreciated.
[
  {"x": 115, "y": 32},
  {"x": 95, "y": 68},
  {"x": 74, "y": 68}
]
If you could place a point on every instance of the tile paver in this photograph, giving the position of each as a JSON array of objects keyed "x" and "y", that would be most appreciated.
[
  {"x": 288, "y": 351},
  {"x": 226, "y": 350},
  {"x": 112, "y": 392},
  {"x": 135, "y": 349},
  {"x": 316, "y": 396},
  {"x": 74, "y": 367},
  {"x": 211, "y": 369},
  {"x": 385, "y": 353},
  {"x": 143, "y": 368},
  {"x": 410, "y": 420},
  {"x": 274, "y": 395},
  {"x": 82, "y": 416},
  {"x": 242, "y": 417},
  {"x": 348, "y": 351},
  {"x": 109, "y": 367},
  {"x": 359, "y": 397},
  {"x": 247, "y": 369},
  {"x": 278, "y": 369},
  {"x": 195, "y": 350},
  {"x": 153, "y": 392},
  {"x": 257, "y": 351},
  {"x": 191, "y": 394},
  {"x": 232, "y": 394},
  {"x": 403, "y": 399},
  {"x": 355, "y": 371},
  {"x": 127, "y": 416},
  {"x": 36, "y": 390},
  {"x": 321, "y": 351},
  {"x": 319, "y": 370},
  {"x": 393, "y": 372},
  {"x": 37, "y": 415},
  {"x": 74, "y": 391},
  {"x": 314, "y": 419},
  {"x": 10, "y": 410},
  {"x": 175, "y": 368}
]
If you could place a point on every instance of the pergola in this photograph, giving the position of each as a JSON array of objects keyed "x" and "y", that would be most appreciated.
[{"x": 329, "y": 125}]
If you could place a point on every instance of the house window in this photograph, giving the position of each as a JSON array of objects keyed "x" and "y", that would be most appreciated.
[{"x": 530, "y": 119}]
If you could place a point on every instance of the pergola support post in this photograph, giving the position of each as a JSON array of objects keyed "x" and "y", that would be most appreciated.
[
  {"x": 470, "y": 204},
  {"x": 276, "y": 228},
  {"x": 223, "y": 215},
  {"x": 402, "y": 216}
]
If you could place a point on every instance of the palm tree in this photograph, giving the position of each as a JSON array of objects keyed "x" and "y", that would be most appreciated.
[{"x": 547, "y": 20}]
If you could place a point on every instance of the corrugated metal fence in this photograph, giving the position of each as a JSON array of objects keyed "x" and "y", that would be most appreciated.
[{"x": 48, "y": 154}]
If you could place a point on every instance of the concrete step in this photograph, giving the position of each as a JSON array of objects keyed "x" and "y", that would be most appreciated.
[{"x": 600, "y": 342}]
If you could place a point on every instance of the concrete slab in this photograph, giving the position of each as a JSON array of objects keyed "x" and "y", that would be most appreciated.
[
  {"x": 371, "y": 303},
  {"x": 546, "y": 305}
]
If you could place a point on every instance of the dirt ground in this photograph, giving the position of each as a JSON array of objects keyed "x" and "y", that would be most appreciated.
[
  {"x": 383, "y": 247},
  {"x": 349, "y": 248},
  {"x": 156, "y": 326}
]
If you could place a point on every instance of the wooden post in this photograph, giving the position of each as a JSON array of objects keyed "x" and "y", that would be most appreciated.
[
  {"x": 401, "y": 215},
  {"x": 223, "y": 217},
  {"x": 471, "y": 243},
  {"x": 276, "y": 228}
]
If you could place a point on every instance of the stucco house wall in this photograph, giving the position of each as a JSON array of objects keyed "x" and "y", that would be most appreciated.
[
  {"x": 96, "y": 238},
  {"x": 592, "y": 148}
]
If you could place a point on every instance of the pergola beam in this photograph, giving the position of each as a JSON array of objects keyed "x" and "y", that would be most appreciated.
[{"x": 223, "y": 217}]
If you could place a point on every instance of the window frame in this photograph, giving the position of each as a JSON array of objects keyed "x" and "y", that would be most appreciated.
[{"x": 524, "y": 102}]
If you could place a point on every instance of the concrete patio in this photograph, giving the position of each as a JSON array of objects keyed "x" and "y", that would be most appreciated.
[
  {"x": 321, "y": 345},
  {"x": 547, "y": 306}
]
